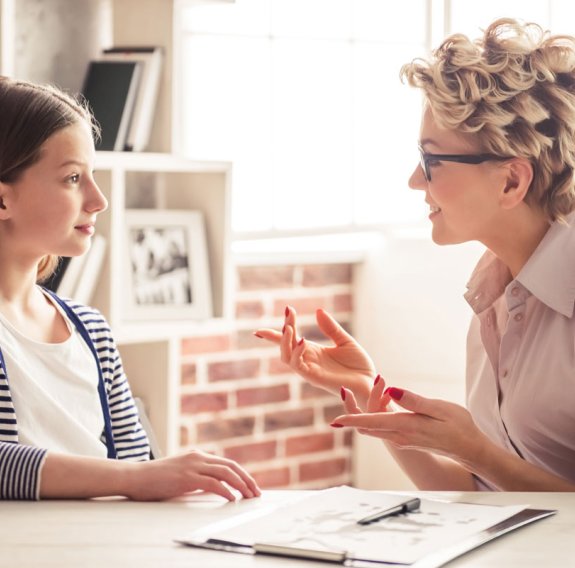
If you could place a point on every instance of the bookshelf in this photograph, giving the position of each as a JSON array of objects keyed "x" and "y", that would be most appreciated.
[{"x": 151, "y": 350}]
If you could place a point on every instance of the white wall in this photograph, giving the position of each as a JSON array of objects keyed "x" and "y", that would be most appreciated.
[{"x": 411, "y": 317}]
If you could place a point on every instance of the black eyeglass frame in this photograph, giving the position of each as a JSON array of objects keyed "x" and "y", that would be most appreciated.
[{"x": 426, "y": 157}]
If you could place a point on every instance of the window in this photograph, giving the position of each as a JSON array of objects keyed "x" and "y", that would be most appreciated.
[{"x": 304, "y": 97}]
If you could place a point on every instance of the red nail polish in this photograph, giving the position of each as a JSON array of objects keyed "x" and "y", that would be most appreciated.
[
  {"x": 376, "y": 380},
  {"x": 342, "y": 393},
  {"x": 284, "y": 329},
  {"x": 258, "y": 335},
  {"x": 287, "y": 311},
  {"x": 300, "y": 342},
  {"x": 336, "y": 425},
  {"x": 395, "y": 393}
]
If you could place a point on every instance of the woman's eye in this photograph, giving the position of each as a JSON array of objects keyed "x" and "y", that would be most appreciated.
[{"x": 432, "y": 162}]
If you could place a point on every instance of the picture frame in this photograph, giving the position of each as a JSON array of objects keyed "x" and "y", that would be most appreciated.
[{"x": 167, "y": 266}]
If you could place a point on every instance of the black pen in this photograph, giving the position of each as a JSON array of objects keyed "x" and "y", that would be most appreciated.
[{"x": 407, "y": 507}]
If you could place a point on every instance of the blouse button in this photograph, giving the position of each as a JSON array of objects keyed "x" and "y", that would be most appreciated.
[
  {"x": 515, "y": 291},
  {"x": 518, "y": 317},
  {"x": 505, "y": 373}
]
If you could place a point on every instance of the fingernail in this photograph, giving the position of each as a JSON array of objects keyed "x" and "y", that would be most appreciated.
[
  {"x": 342, "y": 393},
  {"x": 287, "y": 311},
  {"x": 395, "y": 393},
  {"x": 258, "y": 335},
  {"x": 300, "y": 342},
  {"x": 284, "y": 329},
  {"x": 376, "y": 380},
  {"x": 336, "y": 425}
]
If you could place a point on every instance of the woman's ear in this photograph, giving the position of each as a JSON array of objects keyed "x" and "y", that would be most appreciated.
[{"x": 517, "y": 183}]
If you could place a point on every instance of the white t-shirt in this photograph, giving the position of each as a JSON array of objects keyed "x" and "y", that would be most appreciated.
[{"x": 54, "y": 388}]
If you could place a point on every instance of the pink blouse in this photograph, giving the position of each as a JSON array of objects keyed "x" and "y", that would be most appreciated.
[{"x": 521, "y": 353}]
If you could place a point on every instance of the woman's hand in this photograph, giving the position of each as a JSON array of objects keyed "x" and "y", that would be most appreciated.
[
  {"x": 194, "y": 471},
  {"x": 431, "y": 425},
  {"x": 329, "y": 367}
]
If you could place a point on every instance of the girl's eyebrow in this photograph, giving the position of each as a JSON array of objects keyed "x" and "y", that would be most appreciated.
[{"x": 71, "y": 162}]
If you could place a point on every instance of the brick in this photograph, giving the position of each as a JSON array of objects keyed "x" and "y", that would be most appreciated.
[
  {"x": 326, "y": 274},
  {"x": 222, "y": 429},
  {"x": 247, "y": 453},
  {"x": 308, "y": 391},
  {"x": 263, "y": 395},
  {"x": 323, "y": 469},
  {"x": 288, "y": 419},
  {"x": 207, "y": 344},
  {"x": 272, "y": 478},
  {"x": 184, "y": 437},
  {"x": 302, "y": 306},
  {"x": 204, "y": 402},
  {"x": 188, "y": 373},
  {"x": 332, "y": 411},
  {"x": 343, "y": 303},
  {"x": 278, "y": 367},
  {"x": 249, "y": 309},
  {"x": 312, "y": 443},
  {"x": 265, "y": 277},
  {"x": 348, "y": 438},
  {"x": 245, "y": 339},
  {"x": 232, "y": 370}
]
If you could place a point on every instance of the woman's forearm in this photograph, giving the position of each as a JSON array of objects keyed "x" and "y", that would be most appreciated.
[
  {"x": 430, "y": 472},
  {"x": 509, "y": 472}
]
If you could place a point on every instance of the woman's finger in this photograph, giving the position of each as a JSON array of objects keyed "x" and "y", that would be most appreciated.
[
  {"x": 377, "y": 400},
  {"x": 349, "y": 401},
  {"x": 269, "y": 335},
  {"x": 286, "y": 344}
]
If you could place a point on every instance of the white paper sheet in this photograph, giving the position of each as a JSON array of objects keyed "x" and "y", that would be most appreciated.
[{"x": 327, "y": 520}]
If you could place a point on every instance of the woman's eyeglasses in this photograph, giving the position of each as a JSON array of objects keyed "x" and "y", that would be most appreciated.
[{"x": 426, "y": 158}]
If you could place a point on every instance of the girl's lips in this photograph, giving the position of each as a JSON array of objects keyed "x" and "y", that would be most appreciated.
[{"x": 87, "y": 229}]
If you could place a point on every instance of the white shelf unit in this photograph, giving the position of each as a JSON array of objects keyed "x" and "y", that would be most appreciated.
[{"x": 151, "y": 349}]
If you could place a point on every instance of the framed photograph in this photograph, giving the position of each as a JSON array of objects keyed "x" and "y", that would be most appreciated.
[{"x": 167, "y": 266}]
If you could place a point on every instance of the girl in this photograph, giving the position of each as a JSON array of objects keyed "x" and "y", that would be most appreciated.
[
  {"x": 68, "y": 424},
  {"x": 497, "y": 146}
]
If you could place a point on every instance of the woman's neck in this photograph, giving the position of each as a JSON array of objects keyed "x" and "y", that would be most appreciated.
[{"x": 519, "y": 237}]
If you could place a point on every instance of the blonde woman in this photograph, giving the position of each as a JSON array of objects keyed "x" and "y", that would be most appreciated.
[{"x": 497, "y": 146}]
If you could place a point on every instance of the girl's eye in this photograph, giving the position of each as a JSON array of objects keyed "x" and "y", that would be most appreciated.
[{"x": 74, "y": 178}]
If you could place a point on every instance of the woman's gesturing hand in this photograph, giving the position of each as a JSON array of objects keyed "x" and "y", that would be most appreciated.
[
  {"x": 193, "y": 471},
  {"x": 329, "y": 367},
  {"x": 432, "y": 425}
]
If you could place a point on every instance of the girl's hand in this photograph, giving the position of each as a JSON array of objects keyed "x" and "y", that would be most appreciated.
[
  {"x": 328, "y": 367},
  {"x": 432, "y": 425},
  {"x": 194, "y": 471}
]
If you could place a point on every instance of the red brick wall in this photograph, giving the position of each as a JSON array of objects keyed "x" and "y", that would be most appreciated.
[{"x": 239, "y": 400}]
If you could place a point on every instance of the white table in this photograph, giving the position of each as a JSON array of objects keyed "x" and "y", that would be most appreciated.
[{"x": 117, "y": 533}]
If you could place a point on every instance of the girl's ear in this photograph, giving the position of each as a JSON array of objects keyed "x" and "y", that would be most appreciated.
[
  {"x": 517, "y": 183},
  {"x": 4, "y": 190}
]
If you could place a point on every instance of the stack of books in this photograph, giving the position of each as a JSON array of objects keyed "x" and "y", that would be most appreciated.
[{"x": 121, "y": 87}]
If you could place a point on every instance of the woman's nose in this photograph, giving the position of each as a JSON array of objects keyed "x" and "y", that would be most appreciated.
[{"x": 417, "y": 178}]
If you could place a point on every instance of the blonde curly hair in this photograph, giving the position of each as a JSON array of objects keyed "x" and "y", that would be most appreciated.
[{"x": 515, "y": 89}]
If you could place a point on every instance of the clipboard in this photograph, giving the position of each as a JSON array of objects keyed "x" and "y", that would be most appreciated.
[{"x": 213, "y": 538}]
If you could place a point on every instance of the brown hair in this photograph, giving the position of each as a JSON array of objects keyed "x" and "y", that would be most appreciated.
[
  {"x": 515, "y": 89},
  {"x": 29, "y": 115}
]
